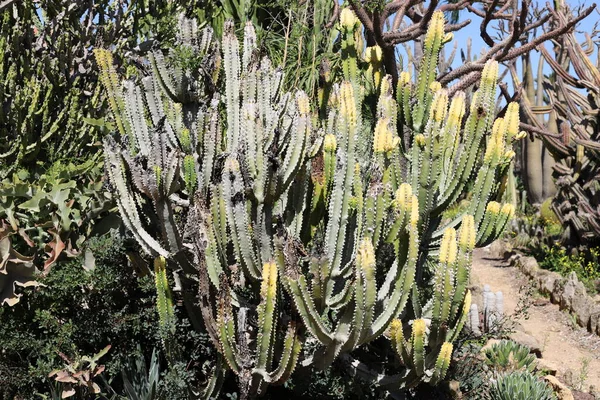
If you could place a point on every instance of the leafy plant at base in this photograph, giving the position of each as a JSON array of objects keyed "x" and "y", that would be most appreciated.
[
  {"x": 337, "y": 232},
  {"x": 78, "y": 312},
  {"x": 66, "y": 206},
  {"x": 520, "y": 385},
  {"x": 509, "y": 356}
]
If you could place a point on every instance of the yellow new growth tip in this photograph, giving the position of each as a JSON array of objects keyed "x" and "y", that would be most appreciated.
[
  {"x": 269, "y": 280},
  {"x": 521, "y": 135},
  {"x": 366, "y": 257},
  {"x": 493, "y": 207},
  {"x": 448, "y": 246},
  {"x": 512, "y": 118},
  {"x": 420, "y": 139},
  {"x": 467, "y": 234},
  {"x": 384, "y": 140},
  {"x": 330, "y": 143},
  {"x": 436, "y": 28},
  {"x": 508, "y": 210},
  {"x": 404, "y": 78},
  {"x": 418, "y": 328},
  {"x": 414, "y": 211},
  {"x": 509, "y": 155},
  {"x": 348, "y": 19},
  {"x": 467, "y": 303},
  {"x": 347, "y": 105},
  {"x": 403, "y": 197},
  {"x": 373, "y": 55},
  {"x": 490, "y": 73},
  {"x": 448, "y": 37},
  {"x": 440, "y": 105},
  {"x": 394, "y": 326},
  {"x": 303, "y": 103},
  {"x": 386, "y": 85},
  {"x": 445, "y": 353},
  {"x": 495, "y": 145},
  {"x": 457, "y": 109},
  {"x": 435, "y": 87}
]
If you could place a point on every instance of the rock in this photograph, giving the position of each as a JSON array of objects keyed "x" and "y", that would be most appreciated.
[
  {"x": 568, "y": 291},
  {"x": 501, "y": 249},
  {"x": 529, "y": 341},
  {"x": 582, "y": 395},
  {"x": 489, "y": 344},
  {"x": 582, "y": 306},
  {"x": 514, "y": 259},
  {"x": 546, "y": 280},
  {"x": 529, "y": 266},
  {"x": 547, "y": 366},
  {"x": 541, "y": 302},
  {"x": 561, "y": 390}
]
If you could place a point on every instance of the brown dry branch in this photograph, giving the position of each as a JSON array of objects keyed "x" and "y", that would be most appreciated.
[{"x": 410, "y": 18}]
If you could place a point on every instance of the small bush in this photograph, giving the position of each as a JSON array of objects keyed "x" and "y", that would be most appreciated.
[
  {"x": 78, "y": 312},
  {"x": 586, "y": 268},
  {"x": 520, "y": 385}
]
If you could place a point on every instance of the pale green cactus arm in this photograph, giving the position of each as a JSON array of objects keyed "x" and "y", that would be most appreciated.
[
  {"x": 433, "y": 43},
  {"x": 231, "y": 61},
  {"x": 348, "y": 126}
]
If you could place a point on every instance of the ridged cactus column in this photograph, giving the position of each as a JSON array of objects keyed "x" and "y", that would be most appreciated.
[
  {"x": 378, "y": 257},
  {"x": 204, "y": 198}
]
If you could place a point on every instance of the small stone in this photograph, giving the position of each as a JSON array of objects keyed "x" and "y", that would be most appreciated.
[
  {"x": 489, "y": 344},
  {"x": 561, "y": 390},
  {"x": 541, "y": 302},
  {"x": 529, "y": 341},
  {"x": 547, "y": 366}
]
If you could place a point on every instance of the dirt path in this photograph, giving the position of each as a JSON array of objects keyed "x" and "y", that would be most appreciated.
[{"x": 567, "y": 348}]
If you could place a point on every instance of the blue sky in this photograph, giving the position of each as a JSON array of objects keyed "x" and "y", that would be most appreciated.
[{"x": 472, "y": 31}]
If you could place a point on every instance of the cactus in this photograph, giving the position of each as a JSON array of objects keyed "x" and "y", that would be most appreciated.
[
  {"x": 378, "y": 249},
  {"x": 338, "y": 231},
  {"x": 215, "y": 194},
  {"x": 575, "y": 145}
]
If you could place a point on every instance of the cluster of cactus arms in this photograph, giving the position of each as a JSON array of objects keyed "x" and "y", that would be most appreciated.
[
  {"x": 45, "y": 90},
  {"x": 297, "y": 229},
  {"x": 574, "y": 123}
]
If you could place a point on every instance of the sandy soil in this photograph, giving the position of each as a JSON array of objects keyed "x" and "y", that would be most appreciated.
[{"x": 565, "y": 347}]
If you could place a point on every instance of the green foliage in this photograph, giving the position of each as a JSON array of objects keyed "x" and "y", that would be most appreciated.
[
  {"x": 77, "y": 312},
  {"x": 509, "y": 356},
  {"x": 56, "y": 211},
  {"x": 520, "y": 385},
  {"x": 584, "y": 264}
]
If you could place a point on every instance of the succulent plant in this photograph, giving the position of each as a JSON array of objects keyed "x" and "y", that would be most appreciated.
[
  {"x": 520, "y": 385},
  {"x": 572, "y": 133},
  {"x": 291, "y": 229},
  {"x": 508, "y": 355}
]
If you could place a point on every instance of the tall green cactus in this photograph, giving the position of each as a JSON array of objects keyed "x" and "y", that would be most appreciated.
[
  {"x": 218, "y": 192},
  {"x": 378, "y": 239},
  {"x": 338, "y": 232}
]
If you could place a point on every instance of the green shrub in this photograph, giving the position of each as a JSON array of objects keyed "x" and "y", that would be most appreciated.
[
  {"x": 509, "y": 356},
  {"x": 78, "y": 312},
  {"x": 584, "y": 264},
  {"x": 520, "y": 385}
]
